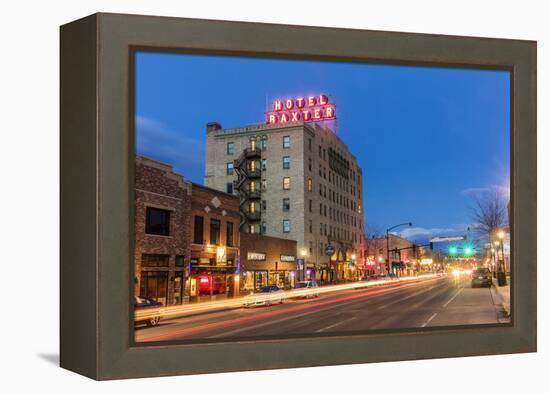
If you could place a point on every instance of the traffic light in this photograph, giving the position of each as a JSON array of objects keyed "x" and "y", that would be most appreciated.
[
  {"x": 468, "y": 251},
  {"x": 452, "y": 250}
]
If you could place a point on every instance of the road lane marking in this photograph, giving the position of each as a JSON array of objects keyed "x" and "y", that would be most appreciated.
[
  {"x": 429, "y": 320},
  {"x": 453, "y": 298},
  {"x": 334, "y": 325},
  {"x": 295, "y": 316},
  {"x": 406, "y": 297}
]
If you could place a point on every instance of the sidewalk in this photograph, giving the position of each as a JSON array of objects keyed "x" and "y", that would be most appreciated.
[{"x": 501, "y": 296}]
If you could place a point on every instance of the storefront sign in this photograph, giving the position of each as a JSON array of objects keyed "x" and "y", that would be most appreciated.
[
  {"x": 256, "y": 256},
  {"x": 306, "y": 109},
  {"x": 329, "y": 250},
  {"x": 287, "y": 258}
]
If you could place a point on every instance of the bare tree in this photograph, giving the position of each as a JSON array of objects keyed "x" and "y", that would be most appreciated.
[
  {"x": 488, "y": 213},
  {"x": 373, "y": 231}
]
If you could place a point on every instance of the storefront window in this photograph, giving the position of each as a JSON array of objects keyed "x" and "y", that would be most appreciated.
[
  {"x": 260, "y": 279},
  {"x": 154, "y": 285}
]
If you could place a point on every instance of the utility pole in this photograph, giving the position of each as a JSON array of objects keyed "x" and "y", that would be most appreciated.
[{"x": 388, "y": 262}]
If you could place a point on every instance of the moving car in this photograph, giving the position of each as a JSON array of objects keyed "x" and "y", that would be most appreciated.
[
  {"x": 148, "y": 311},
  {"x": 265, "y": 296},
  {"x": 481, "y": 277},
  {"x": 310, "y": 288}
]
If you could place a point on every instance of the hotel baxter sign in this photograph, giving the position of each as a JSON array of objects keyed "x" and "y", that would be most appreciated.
[{"x": 306, "y": 109}]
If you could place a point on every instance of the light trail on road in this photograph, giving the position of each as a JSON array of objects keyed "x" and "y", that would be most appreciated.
[
  {"x": 201, "y": 329},
  {"x": 197, "y": 308}
]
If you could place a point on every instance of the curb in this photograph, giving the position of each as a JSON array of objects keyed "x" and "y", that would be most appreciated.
[{"x": 499, "y": 300}]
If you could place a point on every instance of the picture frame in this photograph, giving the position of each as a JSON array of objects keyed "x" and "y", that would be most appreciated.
[{"x": 97, "y": 164}]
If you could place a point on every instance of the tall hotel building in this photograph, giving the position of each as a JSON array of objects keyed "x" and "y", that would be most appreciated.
[{"x": 296, "y": 180}]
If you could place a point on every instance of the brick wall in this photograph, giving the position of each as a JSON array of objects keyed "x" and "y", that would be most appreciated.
[{"x": 156, "y": 185}]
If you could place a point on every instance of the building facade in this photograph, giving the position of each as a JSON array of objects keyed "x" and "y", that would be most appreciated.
[
  {"x": 162, "y": 229},
  {"x": 214, "y": 242},
  {"x": 267, "y": 260},
  {"x": 404, "y": 258},
  {"x": 296, "y": 181}
]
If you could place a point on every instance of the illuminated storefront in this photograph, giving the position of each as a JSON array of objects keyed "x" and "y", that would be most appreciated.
[{"x": 267, "y": 260}]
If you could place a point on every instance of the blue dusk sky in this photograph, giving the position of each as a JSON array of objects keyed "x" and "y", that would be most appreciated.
[{"x": 427, "y": 138}]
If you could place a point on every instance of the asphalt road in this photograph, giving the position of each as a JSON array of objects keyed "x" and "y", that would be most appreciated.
[{"x": 441, "y": 301}]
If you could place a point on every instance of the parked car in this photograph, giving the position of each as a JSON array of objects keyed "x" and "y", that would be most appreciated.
[
  {"x": 310, "y": 288},
  {"x": 265, "y": 296},
  {"x": 150, "y": 311},
  {"x": 481, "y": 277}
]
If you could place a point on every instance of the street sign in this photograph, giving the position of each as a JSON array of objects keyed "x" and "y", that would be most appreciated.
[
  {"x": 329, "y": 250},
  {"x": 447, "y": 239}
]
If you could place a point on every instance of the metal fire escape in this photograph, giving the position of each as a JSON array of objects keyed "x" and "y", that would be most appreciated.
[{"x": 248, "y": 185}]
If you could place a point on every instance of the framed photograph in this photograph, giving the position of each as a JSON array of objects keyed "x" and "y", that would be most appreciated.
[{"x": 241, "y": 196}]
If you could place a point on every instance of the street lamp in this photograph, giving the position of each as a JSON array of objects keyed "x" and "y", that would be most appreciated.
[
  {"x": 501, "y": 277},
  {"x": 388, "y": 242}
]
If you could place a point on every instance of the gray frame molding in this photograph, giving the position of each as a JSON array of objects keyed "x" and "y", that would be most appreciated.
[{"x": 97, "y": 199}]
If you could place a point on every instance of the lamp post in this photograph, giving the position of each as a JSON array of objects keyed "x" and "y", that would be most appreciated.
[
  {"x": 388, "y": 242},
  {"x": 501, "y": 276}
]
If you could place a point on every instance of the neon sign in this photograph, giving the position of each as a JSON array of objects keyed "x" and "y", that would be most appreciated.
[{"x": 306, "y": 109}]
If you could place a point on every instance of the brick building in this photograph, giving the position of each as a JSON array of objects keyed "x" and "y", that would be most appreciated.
[
  {"x": 215, "y": 241},
  {"x": 267, "y": 260},
  {"x": 162, "y": 229},
  {"x": 402, "y": 261}
]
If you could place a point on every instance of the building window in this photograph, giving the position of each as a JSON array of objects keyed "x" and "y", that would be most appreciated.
[
  {"x": 252, "y": 186},
  {"x": 286, "y": 183},
  {"x": 253, "y": 144},
  {"x": 264, "y": 228},
  {"x": 264, "y": 184},
  {"x": 309, "y": 185},
  {"x": 263, "y": 144},
  {"x": 198, "y": 230},
  {"x": 154, "y": 260},
  {"x": 264, "y": 205},
  {"x": 264, "y": 164},
  {"x": 229, "y": 234},
  {"x": 157, "y": 221},
  {"x": 180, "y": 260},
  {"x": 229, "y": 168},
  {"x": 230, "y": 148},
  {"x": 229, "y": 187},
  {"x": 310, "y": 226},
  {"x": 286, "y": 226},
  {"x": 286, "y": 204},
  {"x": 215, "y": 232},
  {"x": 309, "y": 164},
  {"x": 309, "y": 144},
  {"x": 310, "y": 205},
  {"x": 286, "y": 162},
  {"x": 154, "y": 285},
  {"x": 286, "y": 142}
]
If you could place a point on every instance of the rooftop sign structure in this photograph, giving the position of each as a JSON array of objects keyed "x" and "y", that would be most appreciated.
[{"x": 306, "y": 109}]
